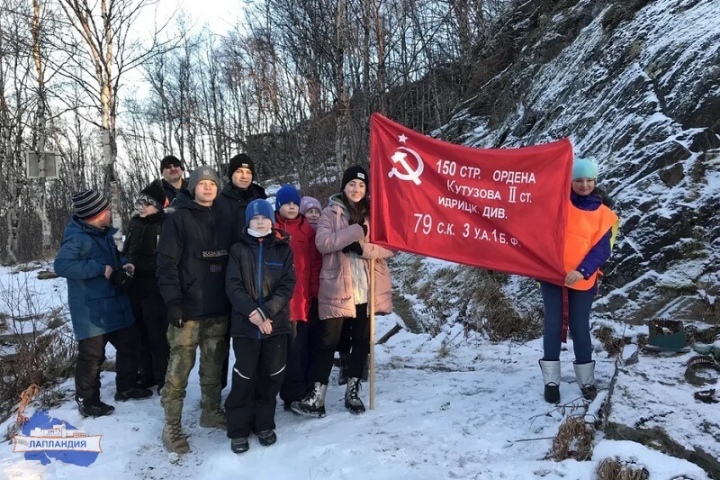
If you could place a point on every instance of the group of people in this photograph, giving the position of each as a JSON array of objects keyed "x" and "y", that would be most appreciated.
[{"x": 205, "y": 263}]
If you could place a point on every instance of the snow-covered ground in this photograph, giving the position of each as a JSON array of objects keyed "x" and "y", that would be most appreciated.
[{"x": 449, "y": 406}]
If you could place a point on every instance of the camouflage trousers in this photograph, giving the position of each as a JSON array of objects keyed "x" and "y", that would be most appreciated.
[{"x": 209, "y": 335}]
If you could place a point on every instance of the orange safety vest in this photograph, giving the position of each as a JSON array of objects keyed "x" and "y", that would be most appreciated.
[{"x": 584, "y": 229}]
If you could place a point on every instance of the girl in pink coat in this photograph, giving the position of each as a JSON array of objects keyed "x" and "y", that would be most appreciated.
[{"x": 342, "y": 238}]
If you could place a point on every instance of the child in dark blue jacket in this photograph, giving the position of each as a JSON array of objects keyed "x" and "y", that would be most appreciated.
[
  {"x": 99, "y": 308},
  {"x": 260, "y": 281}
]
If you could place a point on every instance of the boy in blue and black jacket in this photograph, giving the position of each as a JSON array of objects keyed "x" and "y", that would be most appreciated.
[{"x": 260, "y": 281}]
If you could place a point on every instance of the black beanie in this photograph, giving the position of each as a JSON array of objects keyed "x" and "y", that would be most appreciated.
[
  {"x": 156, "y": 192},
  {"x": 170, "y": 160},
  {"x": 240, "y": 160},
  {"x": 353, "y": 173},
  {"x": 88, "y": 203}
]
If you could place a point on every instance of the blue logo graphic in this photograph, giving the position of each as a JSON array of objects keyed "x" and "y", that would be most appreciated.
[{"x": 41, "y": 421}]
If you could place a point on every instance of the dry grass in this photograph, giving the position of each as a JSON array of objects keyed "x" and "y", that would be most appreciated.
[
  {"x": 612, "y": 344},
  {"x": 616, "y": 469},
  {"x": 33, "y": 353},
  {"x": 573, "y": 440}
]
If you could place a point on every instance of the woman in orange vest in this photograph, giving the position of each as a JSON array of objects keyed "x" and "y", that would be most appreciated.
[{"x": 588, "y": 237}]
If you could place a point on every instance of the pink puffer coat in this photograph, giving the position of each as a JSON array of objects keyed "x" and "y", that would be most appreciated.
[{"x": 335, "y": 297}]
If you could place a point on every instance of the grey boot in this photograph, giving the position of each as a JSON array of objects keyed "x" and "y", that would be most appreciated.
[
  {"x": 585, "y": 376},
  {"x": 313, "y": 404},
  {"x": 551, "y": 378}
]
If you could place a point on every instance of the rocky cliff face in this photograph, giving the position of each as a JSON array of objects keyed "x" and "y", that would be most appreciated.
[{"x": 636, "y": 86}]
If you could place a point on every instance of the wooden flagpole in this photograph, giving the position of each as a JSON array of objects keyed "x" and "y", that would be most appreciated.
[{"x": 371, "y": 319}]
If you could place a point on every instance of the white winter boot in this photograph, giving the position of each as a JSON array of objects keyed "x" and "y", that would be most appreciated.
[
  {"x": 585, "y": 376},
  {"x": 551, "y": 377}
]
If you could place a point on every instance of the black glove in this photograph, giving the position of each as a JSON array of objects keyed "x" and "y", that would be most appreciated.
[
  {"x": 120, "y": 279},
  {"x": 354, "y": 247},
  {"x": 175, "y": 315}
]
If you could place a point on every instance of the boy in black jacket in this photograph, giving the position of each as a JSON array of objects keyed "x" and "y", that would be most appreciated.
[
  {"x": 191, "y": 262},
  {"x": 260, "y": 282},
  {"x": 147, "y": 303}
]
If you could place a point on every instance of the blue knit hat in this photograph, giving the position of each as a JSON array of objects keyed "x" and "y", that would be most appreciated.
[
  {"x": 584, "y": 168},
  {"x": 259, "y": 207},
  {"x": 286, "y": 194}
]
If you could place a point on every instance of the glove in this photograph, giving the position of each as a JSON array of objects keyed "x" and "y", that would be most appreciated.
[
  {"x": 354, "y": 247},
  {"x": 120, "y": 279},
  {"x": 175, "y": 315}
]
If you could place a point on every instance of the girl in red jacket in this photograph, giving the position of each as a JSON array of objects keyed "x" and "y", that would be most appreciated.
[{"x": 307, "y": 272}]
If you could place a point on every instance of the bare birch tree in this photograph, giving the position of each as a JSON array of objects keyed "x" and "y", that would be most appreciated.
[{"x": 104, "y": 28}]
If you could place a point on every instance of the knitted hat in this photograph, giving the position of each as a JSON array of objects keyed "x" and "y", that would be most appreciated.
[
  {"x": 352, "y": 173},
  {"x": 259, "y": 207},
  {"x": 308, "y": 203},
  {"x": 240, "y": 160},
  {"x": 584, "y": 168},
  {"x": 202, "y": 173},
  {"x": 286, "y": 194},
  {"x": 170, "y": 160},
  {"x": 156, "y": 193},
  {"x": 89, "y": 203}
]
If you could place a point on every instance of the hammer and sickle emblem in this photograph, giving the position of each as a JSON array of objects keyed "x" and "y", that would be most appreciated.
[{"x": 401, "y": 158}]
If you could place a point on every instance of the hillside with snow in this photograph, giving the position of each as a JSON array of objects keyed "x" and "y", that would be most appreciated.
[{"x": 636, "y": 86}]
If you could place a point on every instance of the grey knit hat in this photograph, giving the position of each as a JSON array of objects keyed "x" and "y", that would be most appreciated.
[
  {"x": 89, "y": 203},
  {"x": 202, "y": 173}
]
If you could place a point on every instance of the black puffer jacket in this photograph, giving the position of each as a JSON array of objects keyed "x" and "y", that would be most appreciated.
[
  {"x": 191, "y": 259},
  {"x": 260, "y": 275},
  {"x": 232, "y": 203},
  {"x": 139, "y": 247}
]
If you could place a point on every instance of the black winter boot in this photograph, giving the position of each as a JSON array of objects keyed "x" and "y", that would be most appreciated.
[
  {"x": 133, "y": 394},
  {"x": 313, "y": 404},
  {"x": 352, "y": 399},
  {"x": 239, "y": 445},
  {"x": 266, "y": 437},
  {"x": 95, "y": 409}
]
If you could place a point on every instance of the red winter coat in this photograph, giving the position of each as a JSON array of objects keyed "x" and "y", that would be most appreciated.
[{"x": 308, "y": 262}]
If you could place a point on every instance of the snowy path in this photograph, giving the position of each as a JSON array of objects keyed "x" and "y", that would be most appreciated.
[{"x": 468, "y": 411}]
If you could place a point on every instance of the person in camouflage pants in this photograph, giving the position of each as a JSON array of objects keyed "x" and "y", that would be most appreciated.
[
  {"x": 191, "y": 261},
  {"x": 209, "y": 335}
]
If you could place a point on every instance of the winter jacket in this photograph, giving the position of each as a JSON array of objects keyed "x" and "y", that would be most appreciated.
[
  {"x": 308, "y": 262},
  {"x": 335, "y": 296},
  {"x": 139, "y": 247},
  {"x": 191, "y": 259},
  {"x": 97, "y": 307},
  {"x": 232, "y": 203},
  {"x": 260, "y": 276},
  {"x": 587, "y": 237},
  {"x": 171, "y": 192}
]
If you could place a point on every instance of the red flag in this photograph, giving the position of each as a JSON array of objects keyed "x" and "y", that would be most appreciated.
[{"x": 498, "y": 209}]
